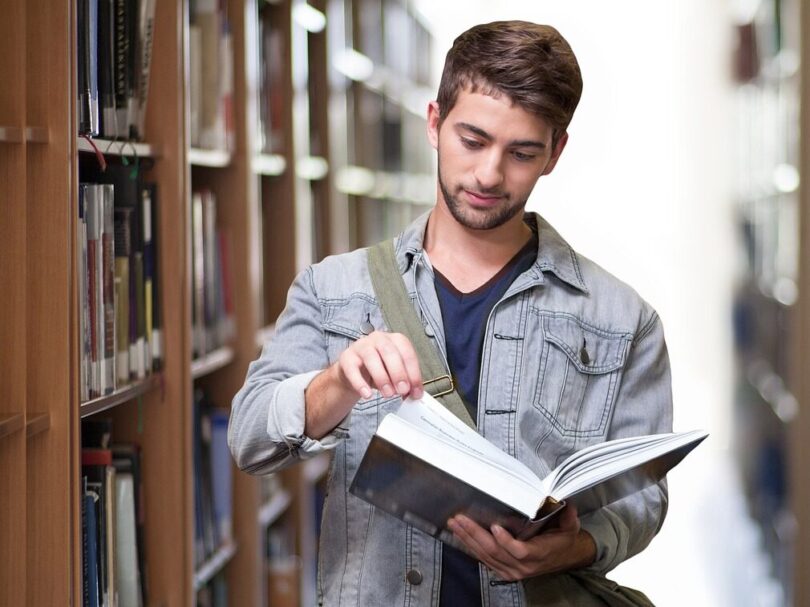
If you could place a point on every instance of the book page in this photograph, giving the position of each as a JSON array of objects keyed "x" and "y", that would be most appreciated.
[
  {"x": 433, "y": 418},
  {"x": 620, "y": 457}
]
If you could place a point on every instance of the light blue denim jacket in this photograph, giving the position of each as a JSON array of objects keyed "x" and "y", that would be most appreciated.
[{"x": 538, "y": 401}]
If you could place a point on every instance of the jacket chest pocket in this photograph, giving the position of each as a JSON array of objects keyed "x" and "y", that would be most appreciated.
[
  {"x": 580, "y": 369},
  {"x": 345, "y": 322}
]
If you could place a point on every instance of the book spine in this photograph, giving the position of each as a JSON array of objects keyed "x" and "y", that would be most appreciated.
[
  {"x": 157, "y": 331},
  {"x": 93, "y": 214},
  {"x": 207, "y": 17},
  {"x": 106, "y": 68},
  {"x": 121, "y": 52},
  {"x": 198, "y": 276},
  {"x": 147, "y": 32},
  {"x": 148, "y": 273},
  {"x": 108, "y": 286},
  {"x": 84, "y": 387},
  {"x": 140, "y": 336}
]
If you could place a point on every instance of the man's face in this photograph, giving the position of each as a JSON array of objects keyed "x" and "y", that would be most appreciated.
[{"x": 491, "y": 153}]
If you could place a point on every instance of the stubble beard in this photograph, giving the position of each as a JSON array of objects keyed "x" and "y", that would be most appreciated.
[{"x": 480, "y": 219}]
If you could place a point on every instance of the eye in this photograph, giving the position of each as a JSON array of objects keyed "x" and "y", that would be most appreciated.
[
  {"x": 522, "y": 156},
  {"x": 470, "y": 144}
]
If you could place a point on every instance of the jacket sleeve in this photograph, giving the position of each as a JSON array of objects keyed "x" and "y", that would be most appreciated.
[
  {"x": 643, "y": 406},
  {"x": 266, "y": 429}
]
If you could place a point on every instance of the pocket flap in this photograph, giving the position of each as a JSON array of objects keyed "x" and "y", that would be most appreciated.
[
  {"x": 352, "y": 318},
  {"x": 591, "y": 350}
]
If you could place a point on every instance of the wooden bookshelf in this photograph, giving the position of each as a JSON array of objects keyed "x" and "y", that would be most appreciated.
[
  {"x": 213, "y": 361},
  {"x": 273, "y": 509},
  {"x": 281, "y": 208},
  {"x": 11, "y": 424},
  {"x": 122, "y": 395},
  {"x": 110, "y": 147}
]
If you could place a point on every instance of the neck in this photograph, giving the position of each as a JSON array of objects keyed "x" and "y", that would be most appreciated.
[{"x": 471, "y": 255}]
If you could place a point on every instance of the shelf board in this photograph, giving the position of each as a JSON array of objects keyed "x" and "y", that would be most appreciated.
[
  {"x": 316, "y": 468},
  {"x": 209, "y": 158},
  {"x": 112, "y": 147},
  {"x": 37, "y": 423},
  {"x": 263, "y": 334},
  {"x": 214, "y": 565},
  {"x": 213, "y": 361},
  {"x": 9, "y": 424},
  {"x": 121, "y": 396},
  {"x": 773, "y": 390},
  {"x": 312, "y": 168},
  {"x": 37, "y": 134},
  {"x": 271, "y": 165},
  {"x": 11, "y": 134},
  {"x": 274, "y": 508}
]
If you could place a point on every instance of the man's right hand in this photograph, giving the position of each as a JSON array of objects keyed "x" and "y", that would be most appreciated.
[{"x": 381, "y": 361}]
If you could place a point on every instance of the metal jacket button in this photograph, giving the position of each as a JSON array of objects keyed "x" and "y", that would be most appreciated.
[
  {"x": 414, "y": 577},
  {"x": 583, "y": 354}
]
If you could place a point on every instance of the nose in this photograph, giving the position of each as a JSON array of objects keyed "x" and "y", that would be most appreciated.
[{"x": 489, "y": 172}]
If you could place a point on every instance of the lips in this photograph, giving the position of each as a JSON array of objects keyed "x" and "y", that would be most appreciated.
[{"x": 482, "y": 199}]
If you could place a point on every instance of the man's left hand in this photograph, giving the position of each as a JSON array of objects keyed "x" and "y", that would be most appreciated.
[{"x": 560, "y": 549}]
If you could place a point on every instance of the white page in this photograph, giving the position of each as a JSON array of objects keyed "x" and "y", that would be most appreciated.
[
  {"x": 433, "y": 418},
  {"x": 595, "y": 472}
]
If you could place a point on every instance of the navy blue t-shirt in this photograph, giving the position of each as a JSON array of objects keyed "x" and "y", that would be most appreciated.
[{"x": 465, "y": 318}]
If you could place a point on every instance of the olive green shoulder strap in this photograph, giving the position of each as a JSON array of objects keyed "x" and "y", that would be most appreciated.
[{"x": 401, "y": 317}]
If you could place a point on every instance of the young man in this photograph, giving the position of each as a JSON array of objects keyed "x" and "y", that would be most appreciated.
[{"x": 549, "y": 352}]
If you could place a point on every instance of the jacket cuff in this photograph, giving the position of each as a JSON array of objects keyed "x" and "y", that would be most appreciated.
[
  {"x": 601, "y": 529},
  {"x": 287, "y": 416}
]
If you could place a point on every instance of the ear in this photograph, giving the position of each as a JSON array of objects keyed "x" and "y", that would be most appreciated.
[
  {"x": 556, "y": 153},
  {"x": 433, "y": 124}
]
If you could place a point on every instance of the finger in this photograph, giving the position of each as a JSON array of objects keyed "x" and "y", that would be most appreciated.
[
  {"x": 389, "y": 351},
  {"x": 517, "y": 549},
  {"x": 484, "y": 543},
  {"x": 373, "y": 365},
  {"x": 411, "y": 363},
  {"x": 349, "y": 364}
]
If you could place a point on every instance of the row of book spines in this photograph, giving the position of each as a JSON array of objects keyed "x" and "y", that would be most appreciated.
[
  {"x": 213, "y": 505},
  {"x": 112, "y": 528},
  {"x": 213, "y": 323},
  {"x": 119, "y": 311},
  {"x": 115, "y": 55},
  {"x": 211, "y": 77}
]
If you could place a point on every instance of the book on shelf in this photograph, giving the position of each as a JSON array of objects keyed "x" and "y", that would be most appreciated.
[
  {"x": 271, "y": 78},
  {"x": 98, "y": 299},
  {"x": 212, "y": 309},
  {"x": 119, "y": 318},
  {"x": 424, "y": 466},
  {"x": 111, "y": 475},
  {"x": 87, "y": 19},
  {"x": 211, "y": 76},
  {"x": 114, "y": 40},
  {"x": 212, "y": 478}
]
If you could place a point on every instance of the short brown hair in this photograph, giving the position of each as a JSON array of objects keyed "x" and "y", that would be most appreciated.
[{"x": 531, "y": 64}]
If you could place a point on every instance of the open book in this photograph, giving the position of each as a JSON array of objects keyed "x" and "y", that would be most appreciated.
[{"x": 424, "y": 465}]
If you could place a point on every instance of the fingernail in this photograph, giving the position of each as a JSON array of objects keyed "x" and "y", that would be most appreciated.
[
  {"x": 366, "y": 393},
  {"x": 403, "y": 388},
  {"x": 417, "y": 393},
  {"x": 387, "y": 390}
]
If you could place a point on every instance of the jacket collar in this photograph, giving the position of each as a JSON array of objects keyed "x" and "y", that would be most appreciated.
[{"x": 554, "y": 254}]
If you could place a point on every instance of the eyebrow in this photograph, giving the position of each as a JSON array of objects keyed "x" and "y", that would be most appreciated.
[{"x": 521, "y": 143}]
